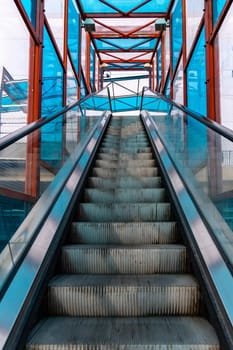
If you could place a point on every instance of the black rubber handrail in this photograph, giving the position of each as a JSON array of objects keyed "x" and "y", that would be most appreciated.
[{"x": 220, "y": 129}]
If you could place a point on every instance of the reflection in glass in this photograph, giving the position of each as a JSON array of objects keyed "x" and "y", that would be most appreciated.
[
  {"x": 205, "y": 160},
  {"x": 92, "y": 67},
  {"x": 217, "y": 9},
  {"x": 196, "y": 77},
  {"x": 194, "y": 13},
  {"x": 72, "y": 84},
  {"x": 159, "y": 66},
  {"x": 54, "y": 11},
  {"x": 167, "y": 52},
  {"x": 13, "y": 72},
  {"x": 74, "y": 32},
  {"x": 178, "y": 85},
  {"x": 30, "y": 9},
  {"x": 176, "y": 32},
  {"x": 224, "y": 69}
]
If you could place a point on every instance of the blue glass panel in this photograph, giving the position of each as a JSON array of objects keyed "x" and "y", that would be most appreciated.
[
  {"x": 52, "y": 101},
  {"x": 74, "y": 32},
  {"x": 83, "y": 88},
  {"x": 167, "y": 90},
  {"x": 159, "y": 65},
  {"x": 176, "y": 32},
  {"x": 217, "y": 9},
  {"x": 125, "y": 5},
  {"x": 196, "y": 77},
  {"x": 72, "y": 85},
  {"x": 30, "y": 9},
  {"x": 94, "y": 6},
  {"x": 92, "y": 67},
  {"x": 196, "y": 91},
  {"x": 52, "y": 88},
  {"x": 125, "y": 44},
  {"x": 154, "y": 6}
]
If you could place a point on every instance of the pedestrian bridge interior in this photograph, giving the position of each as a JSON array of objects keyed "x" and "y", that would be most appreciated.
[{"x": 116, "y": 175}]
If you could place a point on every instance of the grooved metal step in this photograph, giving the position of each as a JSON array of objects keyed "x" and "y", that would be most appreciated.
[
  {"x": 106, "y": 259},
  {"x": 124, "y": 281},
  {"x": 124, "y": 212},
  {"x": 140, "y": 333},
  {"x": 124, "y": 296},
  {"x": 124, "y": 182},
  {"x": 137, "y": 172},
  {"x": 118, "y": 195},
  {"x": 138, "y": 163},
  {"x": 129, "y": 150},
  {"x": 124, "y": 233},
  {"x": 124, "y": 156}
]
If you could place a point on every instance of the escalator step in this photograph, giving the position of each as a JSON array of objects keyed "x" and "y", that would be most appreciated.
[
  {"x": 149, "y": 195},
  {"x": 127, "y": 259},
  {"x": 124, "y": 212},
  {"x": 124, "y": 182},
  {"x": 124, "y": 296},
  {"x": 125, "y": 233},
  {"x": 136, "y": 172}
]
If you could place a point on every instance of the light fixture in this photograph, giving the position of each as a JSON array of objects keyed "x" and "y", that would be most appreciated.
[
  {"x": 147, "y": 65},
  {"x": 89, "y": 25},
  {"x": 104, "y": 65},
  {"x": 161, "y": 24}
]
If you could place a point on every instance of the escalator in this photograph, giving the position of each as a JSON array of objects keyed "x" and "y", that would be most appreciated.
[{"x": 125, "y": 279}]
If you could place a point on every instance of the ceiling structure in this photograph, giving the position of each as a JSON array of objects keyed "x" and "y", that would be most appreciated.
[{"x": 125, "y": 36}]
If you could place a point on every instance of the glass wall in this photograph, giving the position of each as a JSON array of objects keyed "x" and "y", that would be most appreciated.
[
  {"x": 54, "y": 11},
  {"x": 159, "y": 66},
  {"x": 30, "y": 9},
  {"x": 176, "y": 32},
  {"x": 194, "y": 13},
  {"x": 74, "y": 33},
  {"x": 196, "y": 77},
  {"x": 217, "y": 8},
  {"x": 178, "y": 84},
  {"x": 92, "y": 67},
  {"x": 224, "y": 70}
]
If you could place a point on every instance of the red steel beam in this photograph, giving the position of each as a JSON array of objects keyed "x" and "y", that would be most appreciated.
[
  {"x": 210, "y": 83},
  {"x": 133, "y": 36}
]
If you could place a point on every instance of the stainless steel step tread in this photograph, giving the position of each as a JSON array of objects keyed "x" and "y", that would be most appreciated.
[
  {"x": 125, "y": 195},
  {"x": 125, "y": 233},
  {"x": 125, "y": 281},
  {"x": 149, "y": 333},
  {"x": 124, "y": 182},
  {"x": 124, "y": 259},
  {"x": 107, "y": 212}
]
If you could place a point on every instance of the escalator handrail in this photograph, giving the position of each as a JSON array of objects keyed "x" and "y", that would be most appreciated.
[
  {"x": 21, "y": 291},
  {"x": 214, "y": 270},
  {"x": 220, "y": 129},
  {"x": 29, "y": 128}
]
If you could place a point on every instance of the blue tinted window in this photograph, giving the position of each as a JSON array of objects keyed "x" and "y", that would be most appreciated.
[
  {"x": 217, "y": 9},
  {"x": 52, "y": 88},
  {"x": 52, "y": 101},
  {"x": 74, "y": 33},
  {"x": 96, "y": 6},
  {"x": 176, "y": 32},
  {"x": 159, "y": 65},
  {"x": 167, "y": 90},
  {"x": 116, "y": 44},
  {"x": 30, "y": 9},
  {"x": 196, "y": 77},
  {"x": 92, "y": 67},
  {"x": 83, "y": 88}
]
